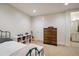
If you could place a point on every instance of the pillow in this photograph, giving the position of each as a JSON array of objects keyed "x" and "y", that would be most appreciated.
[{"x": 5, "y": 39}]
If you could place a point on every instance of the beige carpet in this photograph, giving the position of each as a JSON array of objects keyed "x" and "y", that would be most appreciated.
[{"x": 51, "y": 50}]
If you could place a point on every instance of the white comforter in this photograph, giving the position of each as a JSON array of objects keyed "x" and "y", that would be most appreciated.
[{"x": 15, "y": 48}]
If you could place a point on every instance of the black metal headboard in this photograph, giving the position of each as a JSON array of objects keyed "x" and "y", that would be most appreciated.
[{"x": 5, "y": 34}]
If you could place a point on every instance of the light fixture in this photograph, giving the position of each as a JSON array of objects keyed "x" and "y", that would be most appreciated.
[
  {"x": 66, "y": 4},
  {"x": 34, "y": 11}
]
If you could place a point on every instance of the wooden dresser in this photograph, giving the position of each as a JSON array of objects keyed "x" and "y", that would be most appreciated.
[{"x": 50, "y": 36}]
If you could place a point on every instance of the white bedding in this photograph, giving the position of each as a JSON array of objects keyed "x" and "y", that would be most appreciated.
[{"x": 14, "y": 48}]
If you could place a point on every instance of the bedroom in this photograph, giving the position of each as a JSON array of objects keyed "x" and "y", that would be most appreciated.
[{"x": 33, "y": 18}]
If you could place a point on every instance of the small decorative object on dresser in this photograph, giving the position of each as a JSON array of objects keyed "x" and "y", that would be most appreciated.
[{"x": 50, "y": 35}]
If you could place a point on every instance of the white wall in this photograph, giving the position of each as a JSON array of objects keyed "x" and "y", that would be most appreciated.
[
  {"x": 67, "y": 28},
  {"x": 13, "y": 20},
  {"x": 59, "y": 20},
  {"x": 37, "y": 27}
]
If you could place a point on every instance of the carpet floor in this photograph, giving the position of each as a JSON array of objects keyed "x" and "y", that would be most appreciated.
[{"x": 51, "y": 50}]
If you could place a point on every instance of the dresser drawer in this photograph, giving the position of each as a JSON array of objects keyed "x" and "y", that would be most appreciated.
[{"x": 53, "y": 42}]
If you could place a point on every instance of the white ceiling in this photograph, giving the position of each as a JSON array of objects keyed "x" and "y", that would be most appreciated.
[{"x": 44, "y": 8}]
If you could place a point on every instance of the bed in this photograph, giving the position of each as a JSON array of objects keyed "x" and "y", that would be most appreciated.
[{"x": 8, "y": 47}]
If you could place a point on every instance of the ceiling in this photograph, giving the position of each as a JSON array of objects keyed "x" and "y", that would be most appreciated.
[{"x": 44, "y": 8}]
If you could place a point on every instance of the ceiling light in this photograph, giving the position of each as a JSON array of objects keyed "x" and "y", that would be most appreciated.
[
  {"x": 34, "y": 11},
  {"x": 66, "y": 4}
]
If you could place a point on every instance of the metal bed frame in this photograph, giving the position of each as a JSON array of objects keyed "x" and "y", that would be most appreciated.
[
  {"x": 37, "y": 52},
  {"x": 7, "y": 34}
]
